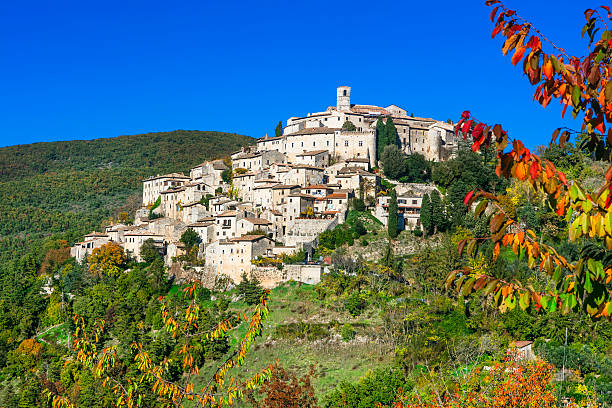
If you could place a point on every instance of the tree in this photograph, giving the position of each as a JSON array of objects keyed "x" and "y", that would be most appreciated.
[
  {"x": 585, "y": 85},
  {"x": 226, "y": 175},
  {"x": 392, "y": 221},
  {"x": 393, "y": 162},
  {"x": 348, "y": 125},
  {"x": 418, "y": 169},
  {"x": 148, "y": 251},
  {"x": 190, "y": 238},
  {"x": 279, "y": 129},
  {"x": 286, "y": 390},
  {"x": 438, "y": 215},
  {"x": 391, "y": 138},
  {"x": 250, "y": 288},
  {"x": 426, "y": 215},
  {"x": 109, "y": 260}
]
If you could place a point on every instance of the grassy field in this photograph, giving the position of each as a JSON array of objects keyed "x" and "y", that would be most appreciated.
[{"x": 319, "y": 343}]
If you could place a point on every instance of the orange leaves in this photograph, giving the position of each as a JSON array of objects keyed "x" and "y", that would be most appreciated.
[
  {"x": 547, "y": 69},
  {"x": 518, "y": 55}
]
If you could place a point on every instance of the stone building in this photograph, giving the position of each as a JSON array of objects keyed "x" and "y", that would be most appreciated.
[{"x": 153, "y": 186}]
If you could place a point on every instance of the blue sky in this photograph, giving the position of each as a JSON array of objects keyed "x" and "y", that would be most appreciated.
[{"x": 85, "y": 70}]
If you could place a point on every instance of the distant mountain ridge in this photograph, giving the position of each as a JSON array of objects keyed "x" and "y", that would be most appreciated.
[{"x": 163, "y": 151}]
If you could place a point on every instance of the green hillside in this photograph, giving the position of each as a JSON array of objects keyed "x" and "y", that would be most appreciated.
[{"x": 68, "y": 188}]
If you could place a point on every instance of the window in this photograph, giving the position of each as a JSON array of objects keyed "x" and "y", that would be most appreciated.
[
  {"x": 360, "y": 143},
  {"x": 346, "y": 143},
  {"x": 414, "y": 201},
  {"x": 314, "y": 143},
  {"x": 345, "y": 92},
  {"x": 328, "y": 142}
]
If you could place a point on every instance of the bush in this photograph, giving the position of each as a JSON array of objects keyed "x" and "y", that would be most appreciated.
[
  {"x": 417, "y": 232},
  {"x": 359, "y": 228},
  {"x": 364, "y": 242},
  {"x": 356, "y": 303},
  {"x": 347, "y": 332},
  {"x": 358, "y": 204}
]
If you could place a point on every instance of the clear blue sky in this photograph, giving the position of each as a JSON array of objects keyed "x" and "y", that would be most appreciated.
[{"x": 84, "y": 70}]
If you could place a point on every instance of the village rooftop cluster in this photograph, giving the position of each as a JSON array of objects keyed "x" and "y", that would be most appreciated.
[{"x": 284, "y": 192}]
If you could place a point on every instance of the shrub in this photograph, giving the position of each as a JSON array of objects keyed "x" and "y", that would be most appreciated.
[
  {"x": 347, "y": 332},
  {"x": 356, "y": 303}
]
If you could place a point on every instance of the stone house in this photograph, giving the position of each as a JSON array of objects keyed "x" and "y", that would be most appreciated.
[
  {"x": 233, "y": 257},
  {"x": 258, "y": 161},
  {"x": 153, "y": 186},
  {"x": 316, "y": 158},
  {"x": 249, "y": 224},
  {"x": 280, "y": 192},
  {"x": 134, "y": 240},
  {"x": 227, "y": 224},
  {"x": 408, "y": 208},
  {"x": 206, "y": 230},
  {"x": 209, "y": 173},
  {"x": 296, "y": 205},
  {"x": 80, "y": 250},
  {"x": 304, "y": 175}
]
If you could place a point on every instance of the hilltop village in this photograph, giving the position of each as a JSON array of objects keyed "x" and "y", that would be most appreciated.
[{"x": 275, "y": 198}]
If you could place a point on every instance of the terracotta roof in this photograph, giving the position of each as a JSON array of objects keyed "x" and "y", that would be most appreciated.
[
  {"x": 369, "y": 109},
  {"x": 200, "y": 224},
  {"x": 358, "y": 160},
  {"x": 171, "y": 175},
  {"x": 267, "y": 138},
  {"x": 315, "y": 186},
  {"x": 314, "y": 131},
  {"x": 258, "y": 221},
  {"x": 313, "y": 153},
  {"x": 302, "y": 195},
  {"x": 521, "y": 343},
  {"x": 142, "y": 234},
  {"x": 206, "y": 219},
  {"x": 231, "y": 213},
  {"x": 248, "y": 238},
  {"x": 192, "y": 204},
  {"x": 336, "y": 196},
  {"x": 284, "y": 186}
]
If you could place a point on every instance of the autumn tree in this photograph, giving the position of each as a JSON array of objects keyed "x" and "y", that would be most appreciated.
[
  {"x": 393, "y": 219},
  {"x": 108, "y": 260},
  {"x": 286, "y": 390},
  {"x": 583, "y": 84}
]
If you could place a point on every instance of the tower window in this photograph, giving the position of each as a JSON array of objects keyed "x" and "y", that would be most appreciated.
[{"x": 345, "y": 92}]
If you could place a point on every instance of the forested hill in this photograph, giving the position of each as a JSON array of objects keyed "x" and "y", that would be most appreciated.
[
  {"x": 69, "y": 188},
  {"x": 162, "y": 151}
]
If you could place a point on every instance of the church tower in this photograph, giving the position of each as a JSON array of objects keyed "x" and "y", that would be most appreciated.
[{"x": 343, "y": 99}]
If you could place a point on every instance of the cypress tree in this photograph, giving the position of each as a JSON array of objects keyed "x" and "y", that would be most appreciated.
[
  {"x": 438, "y": 219},
  {"x": 392, "y": 223},
  {"x": 279, "y": 129},
  {"x": 381, "y": 137},
  {"x": 391, "y": 132},
  {"x": 426, "y": 215}
]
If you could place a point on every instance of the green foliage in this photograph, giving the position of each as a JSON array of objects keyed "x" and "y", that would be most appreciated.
[
  {"x": 358, "y": 204},
  {"x": 393, "y": 162},
  {"x": 359, "y": 228},
  {"x": 379, "y": 386},
  {"x": 347, "y": 332},
  {"x": 417, "y": 169},
  {"x": 278, "y": 131},
  {"x": 190, "y": 238},
  {"x": 148, "y": 251},
  {"x": 250, "y": 289},
  {"x": 349, "y": 126},
  {"x": 380, "y": 137},
  {"x": 356, "y": 303},
  {"x": 392, "y": 222},
  {"x": 226, "y": 175},
  {"x": 391, "y": 138},
  {"x": 426, "y": 215}
]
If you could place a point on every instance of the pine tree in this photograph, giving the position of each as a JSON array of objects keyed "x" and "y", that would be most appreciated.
[
  {"x": 390, "y": 132},
  {"x": 381, "y": 137},
  {"x": 426, "y": 215},
  {"x": 438, "y": 219},
  {"x": 279, "y": 129},
  {"x": 392, "y": 223}
]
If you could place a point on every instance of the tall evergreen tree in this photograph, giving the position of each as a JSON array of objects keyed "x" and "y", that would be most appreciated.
[
  {"x": 390, "y": 132},
  {"x": 381, "y": 137},
  {"x": 438, "y": 218},
  {"x": 426, "y": 215},
  {"x": 393, "y": 219},
  {"x": 279, "y": 129}
]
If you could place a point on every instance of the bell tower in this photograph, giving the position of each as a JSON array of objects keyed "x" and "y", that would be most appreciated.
[{"x": 343, "y": 98}]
